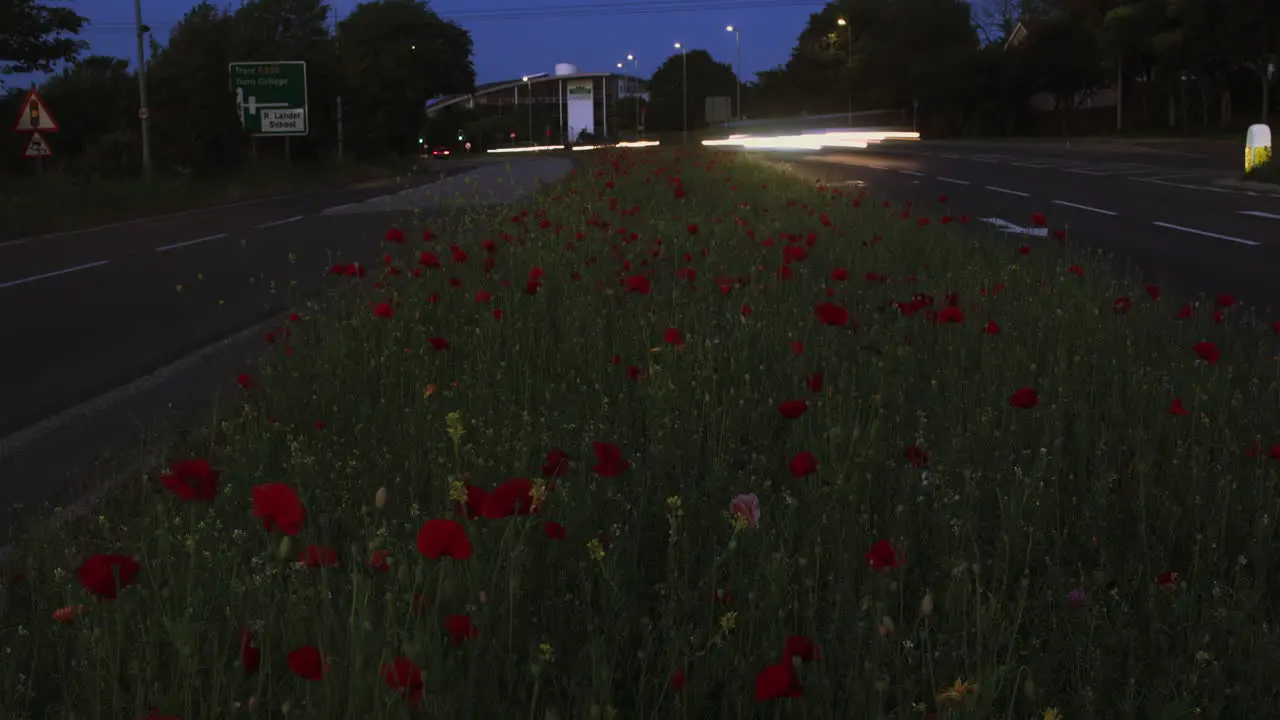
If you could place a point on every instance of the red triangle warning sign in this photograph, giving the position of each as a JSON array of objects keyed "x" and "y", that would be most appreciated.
[
  {"x": 37, "y": 147},
  {"x": 35, "y": 115}
]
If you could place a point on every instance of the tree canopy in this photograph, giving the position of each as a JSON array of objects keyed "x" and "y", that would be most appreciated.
[{"x": 36, "y": 35}]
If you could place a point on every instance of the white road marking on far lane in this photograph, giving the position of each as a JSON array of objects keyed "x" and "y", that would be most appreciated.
[
  {"x": 953, "y": 180},
  {"x": 1008, "y": 192},
  {"x": 1205, "y": 233},
  {"x": 911, "y": 172},
  {"x": 1259, "y": 213},
  {"x": 286, "y": 221},
  {"x": 190, "y": 242},
  {"x": 1084, "y": 207},
  {"x": 55, "y": 273}
]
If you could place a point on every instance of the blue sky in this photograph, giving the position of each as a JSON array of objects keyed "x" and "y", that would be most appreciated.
[{"x": 515, "y": 37}]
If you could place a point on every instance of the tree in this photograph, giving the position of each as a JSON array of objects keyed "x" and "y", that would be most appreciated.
[
  {"x": 668, "y": 91},
  {"x": 95, "y": 102},
  {"x": 34, "y": 36},
  {"x": 396, "y": 55}
]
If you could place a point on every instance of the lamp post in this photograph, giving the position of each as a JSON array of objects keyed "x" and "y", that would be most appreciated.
[
  {"x": 528, "y": 91},
  {"x": 848, "y": 36},
  {"x": 737, "y": 63},
  {"x": 635, "y": 70},
  {"x": 143, "y": 110},
  {"x": 684, "y": 92}
]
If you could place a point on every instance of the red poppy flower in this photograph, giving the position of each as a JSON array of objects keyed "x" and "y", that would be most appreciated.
[
  {"x": 192, "y": 479},
  {"x": 403, "y": 676},
  {"x": 460, "y": 628},
  {"x": 1185, "y": 312},
  {"x": 106, "y": 575},
  {"x": 395, "y": 235},
  {"x": 1207, "y": 352},
  {"x": 1225, "y": 301},
  {"x": 318, "y": 556},
  {"x": 778, "y": 681},
  {"x": 673, "y": 336},
  {"x": 745, "y": 310},
  {"x": 840, "y": 274},
  {"x": 1038, "y": 219},
  {"x": 883, "y": 555},
  {"x": 792, "y": 409},
  {"x": 1024, "y": 398},
  {"x": 429, "y": 260},
  {"x": 831, "y": 314},
  {"x": 444, "y": 538},
  {"x": 638, "y": 284},
  {"x": 307, "y": 663},
  {"x": 677, "y": 679},
  {"x": 246, "y": 381},
  {"x": 553, "y": 530},
  {"x": 155, "y": 714},
  {"x": 1177, "y": 408},
  {"x": 814, "y": 382},
  {"x": 803, "y": 464},
  {"x": 279, "y": 508},
  {"x": 950, "y": 315},
  {"x": 609, "y": 461},
  {"x": 693, "y": 228},
  {"x": 556, "y": 464},
  {"x": 801, "y": 647},
  {"x": 378, "y": 562},
  {"x": 1024, "y": 250},
  {"x": 476, "y": 497},
  {"x": 1153, "y": 291},
  {"x": 916, "y": 456},
  {"x": 1122, "y": 305},
  {"x": 250, "y": 654},
  {"x": 513, "y": 497},
  {"x": 991, "y": 328},
  {"x": 383, "y": 310},
  {"x": 1168, "y": 578},
  {"x": 438, "y": 343}
]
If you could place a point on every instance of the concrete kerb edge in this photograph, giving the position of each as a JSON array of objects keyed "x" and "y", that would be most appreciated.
[{"x": 1248, "y": 185}]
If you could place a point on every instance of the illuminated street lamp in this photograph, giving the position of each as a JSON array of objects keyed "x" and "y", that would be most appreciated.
[
  {"x": 848, "y": 36},
  {"x": 737, "y": 63},
  {"x": 684, "y": 82}
]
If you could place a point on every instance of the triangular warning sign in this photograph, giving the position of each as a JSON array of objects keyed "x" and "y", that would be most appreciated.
[
  {"x": 34, "y": 115},
  {"x": 37, "y": 147}
]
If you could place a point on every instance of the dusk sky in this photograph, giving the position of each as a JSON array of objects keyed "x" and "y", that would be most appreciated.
[{"x": 515, "y": 37}]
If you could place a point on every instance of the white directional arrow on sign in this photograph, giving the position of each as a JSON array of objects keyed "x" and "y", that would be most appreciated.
[{"x": 1008, "y": 227}]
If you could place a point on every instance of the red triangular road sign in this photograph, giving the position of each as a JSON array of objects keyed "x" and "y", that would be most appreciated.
[
  {"x": 37, "y": 147},
  {"x": 35, "y": 115}
]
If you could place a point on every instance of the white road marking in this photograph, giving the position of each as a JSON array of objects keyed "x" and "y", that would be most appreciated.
[
  {"x": 1007, "y": 191},
  {"x": 1032, "y": 165},
  {"x": 911, "y": 172},
  {"x": 1008, "y": 227},
  {"x": 953, "y": 180},
  {"x": 1259, "y": 213},
  {"x": 1189, "y": 187},
  {"x": 55, "y": 273},
  {"x": 336, "y": 208},
  {"x": 190, "y": 242},
  {"x": 876, "y": 167},
  {"x": 1205, "y": 233},
  {"x": 1084, "y": 207},
  {"x": 286, "y": 221},
  {"x": 1087, "y": 172}
]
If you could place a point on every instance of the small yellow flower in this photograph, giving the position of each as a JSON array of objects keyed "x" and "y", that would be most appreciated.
[
  {"x": 538, "y": 493},
  {"x": 546, "y": 653},
  {"x": 429, "y": 390},
  {"x": 728, "y": 622},
  {"x": 453, "y": 425},
  {"x": 955, "y": 694},
  {"x": 457, "y": 491},
  {"x": 596, "y": 548},
  {"x": 1050, "y": 714},
  {"x": 739, "y": 522}
]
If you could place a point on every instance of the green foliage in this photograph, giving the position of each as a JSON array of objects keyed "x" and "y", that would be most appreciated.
[
  {"x": 35, "y": 35},
  {"x": 667, "y": 90}
]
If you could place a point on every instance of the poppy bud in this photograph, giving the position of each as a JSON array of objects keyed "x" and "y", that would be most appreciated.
[
  {"x": 380, "y": 498},
  {"x": 926, "y": 606},
  {"x": 285, "y": 549}
]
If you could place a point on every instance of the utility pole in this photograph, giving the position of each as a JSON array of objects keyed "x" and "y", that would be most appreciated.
[
  {"x": 143, "y": 111},
  {"x": 337, "y": 46},
  {"x": 684, "y": 92},
  {"x": 737, "y": 64},
  {"x": 848, "y": 36}
]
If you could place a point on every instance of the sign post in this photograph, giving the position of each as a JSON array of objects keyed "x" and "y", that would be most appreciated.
[
  {"x": 34, "y": 117},
  {"x": 271, "y": 97}
]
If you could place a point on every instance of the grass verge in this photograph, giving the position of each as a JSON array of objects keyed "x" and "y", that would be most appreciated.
[
  {"x": 693, "y": 438},
  {"x": 53, "y": 203},
  {"x": 1267, "y": 173}
]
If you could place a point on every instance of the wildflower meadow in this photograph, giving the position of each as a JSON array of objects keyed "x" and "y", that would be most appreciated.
[{"x": 688, "y": 436}]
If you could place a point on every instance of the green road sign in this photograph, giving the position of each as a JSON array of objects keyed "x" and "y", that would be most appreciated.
[{"x": 271, "y": 97}]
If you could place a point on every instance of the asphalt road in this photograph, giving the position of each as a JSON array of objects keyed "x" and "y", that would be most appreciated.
[
  {"x": 1158, "y": 211},
  {"x": 88, "y": 311}
]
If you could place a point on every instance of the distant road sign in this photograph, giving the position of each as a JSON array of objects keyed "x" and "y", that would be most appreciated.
[
  {"x": 34, "y": 115},
  {"x": 271, "y": 97},
  {"x": 37, "y": 147}
]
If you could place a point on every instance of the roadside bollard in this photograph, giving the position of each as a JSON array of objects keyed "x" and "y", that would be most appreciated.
[{"x": 1257, "y": 147}]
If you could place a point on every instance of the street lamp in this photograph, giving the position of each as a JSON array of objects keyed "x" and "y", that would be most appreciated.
[
  {"x": 528, "y": 90},
  {"x": 737, "y": 64},
  {"x": 635, "y": 86},
  {"x": 848, "y": 36},
  {"x": 684, "y": 82}
]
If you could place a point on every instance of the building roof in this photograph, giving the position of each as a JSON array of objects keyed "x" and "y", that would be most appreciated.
[{"x": 436, "y": 104}]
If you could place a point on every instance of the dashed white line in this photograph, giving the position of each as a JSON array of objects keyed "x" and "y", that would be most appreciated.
[
  {"x": 190, "y": 242},
  {"x": 286, "y": 221},
  {"x": 1008, "y": 191},
  {"x": 1184, "y": 185},
  {"x": 876, "y": 167},
  {"x": 55, "y": 273},
  {"x": 1205, "y": 233},
  {"x": 911, "y": 172},
  {"x": 953, "y": 180},
  {"x": 1084, "y": 207},
  {"x": 1259, "y": 213}
]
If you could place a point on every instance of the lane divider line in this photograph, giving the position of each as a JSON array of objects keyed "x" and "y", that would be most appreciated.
[
  {"x": 1259, "y": 213},
  {"x": 911, "y": 172},
  {"x": 55, "y": 273},
  {"x": 175, "y": 246},
  {"x": 953, "y": 180},
  {"x": 1008, "y": 191},
  {"x": 1204, "y": 233},
  {"x": 1084, "y": 207},
  {"x": 286, "y": 221}
]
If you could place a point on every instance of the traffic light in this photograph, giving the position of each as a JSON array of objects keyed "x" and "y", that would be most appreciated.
[{"x": 422, "y": 141}]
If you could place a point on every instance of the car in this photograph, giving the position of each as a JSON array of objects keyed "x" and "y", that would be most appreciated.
[{"x": 440, "y": 151}]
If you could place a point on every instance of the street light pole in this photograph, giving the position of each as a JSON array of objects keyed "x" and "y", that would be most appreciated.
[
  {"x": 528, "y": 91},
  {"x": 143, "y": 111},
  {"x": 848, "y": 35},
  {"x": 684, "y": 83},
  {"x": 737, "y": 64},
  {"x": 635, "y": 70}
]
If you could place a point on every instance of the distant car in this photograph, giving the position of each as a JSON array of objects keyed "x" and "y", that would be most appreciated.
[{"x": 440, "y": 151}]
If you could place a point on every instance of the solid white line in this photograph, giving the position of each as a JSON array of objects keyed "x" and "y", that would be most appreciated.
[
  {"x": 295, "y": 218},
  {"x": 336, "y": 208},
  {"x": 876, "y": 167},
  {"x": 911, "y": 172},
  {"x": 1193, "y": 231},
  {"x": 953, "y": 180},
  {"x": 190, "y": 242},
  {"x": 1259, "y": 213},
  {"x": 1010, "y": 192},
  {"x": 1189, "y": 187},
  {"x": 55, "y": 273},
  {"x": 1084, "y": 207}
]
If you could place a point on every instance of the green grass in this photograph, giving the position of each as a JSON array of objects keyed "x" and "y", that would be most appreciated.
[
  {"x": 55, "y": 202},
  {"x": 1094, "y": 553}
]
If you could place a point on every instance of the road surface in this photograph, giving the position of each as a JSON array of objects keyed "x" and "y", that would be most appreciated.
[{"x": 1159, "y": 211}]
